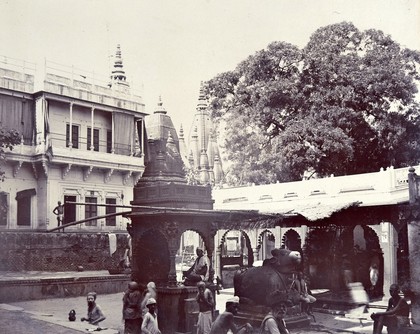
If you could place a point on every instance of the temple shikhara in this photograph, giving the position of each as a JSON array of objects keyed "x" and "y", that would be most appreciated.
[{"x": 200, "y": 150}]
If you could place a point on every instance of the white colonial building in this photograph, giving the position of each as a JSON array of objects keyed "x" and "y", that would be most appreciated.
[{"x": 82, "y": 141}]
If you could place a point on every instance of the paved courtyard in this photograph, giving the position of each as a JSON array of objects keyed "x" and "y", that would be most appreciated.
[{"x": 50, "y": 316}]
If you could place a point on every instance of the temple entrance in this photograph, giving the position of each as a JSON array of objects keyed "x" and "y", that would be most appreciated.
[
  {"x": 337, "y": 256},
  {"x": 318, "y": 256},
  {"x": 266, "y": 243},
  {"x": 236, "y": 253},
  {"x": 363, "y": 259},
  {"x": 236, "y": 249}
]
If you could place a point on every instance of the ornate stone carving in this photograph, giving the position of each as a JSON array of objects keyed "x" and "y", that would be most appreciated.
[
  {"x": 65, "y": 171},
  {"x": 35, "y": 171},
  {"x": 137, "y": 177},
  {"x": 127, "y": 176},
  {"x": 108, "y": 175},
  {"x": 86, "y": 172},
  {"x": 171, "y": 230},
  {"x": 44, "y": 164}
]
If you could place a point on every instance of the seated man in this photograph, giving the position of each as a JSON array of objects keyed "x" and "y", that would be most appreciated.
[
  {"x": 305, "y": 298},
  {"x": 274, "y": 323},
  {"x": 225, "y": 321},
  {"x": 199, "y": 270},
  {"x": 395, "y": 316},
  {"x": 94, "y": 314}
]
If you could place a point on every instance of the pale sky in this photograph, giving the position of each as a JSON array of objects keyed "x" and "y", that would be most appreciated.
[{"x": 169, "y": 46}]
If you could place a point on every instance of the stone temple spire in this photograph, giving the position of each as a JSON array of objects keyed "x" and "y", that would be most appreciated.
[
  {"x": 202, "y": 102},
  {"x": 160, "y": 109},
  {"x": 202, "y": 143},
  {"x": 183, "y": 147},
  {"x": 118, "y": 78}
]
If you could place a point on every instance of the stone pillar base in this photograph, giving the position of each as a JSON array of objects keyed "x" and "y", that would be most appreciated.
[{"x": 173, "y": 305}]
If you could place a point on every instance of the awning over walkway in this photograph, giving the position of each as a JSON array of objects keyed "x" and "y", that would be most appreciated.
[
  {"x": 321, "y": 210},
  {"x": 316, "y": 210}
]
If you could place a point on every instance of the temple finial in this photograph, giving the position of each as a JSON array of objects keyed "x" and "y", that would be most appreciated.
[
  {"x": 160, "y": 109},
  {"x": 118, "y": 76}
]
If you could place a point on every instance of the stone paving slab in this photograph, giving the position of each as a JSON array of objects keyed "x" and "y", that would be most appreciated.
[{"x": 17, "y": 322}]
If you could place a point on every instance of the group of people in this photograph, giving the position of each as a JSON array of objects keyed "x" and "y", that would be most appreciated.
[
  {"x": 140, "y": 313},
  {"x": 139, "y": 310}
]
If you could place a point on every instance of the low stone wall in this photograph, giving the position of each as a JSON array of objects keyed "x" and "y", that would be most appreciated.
[
  {"x": 37, "y": 251},
  {"x": 45, "y": 288}
]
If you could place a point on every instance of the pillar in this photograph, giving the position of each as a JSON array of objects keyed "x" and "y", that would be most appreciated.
[
  {"x": 256, "y": 252},
  {"x": 277, "y": 237},
  {"x": 217, "y": 266},
  {"x": 172, "y": 281},
  {"x": 414, "y": 259},
  {"x": 92, "y": 115},
  {"x": 40, "y": 124},
  {"x": 70, "y": 126},
  {"x": 388, "y": 239},
  {"x": 113, "y": 133}
]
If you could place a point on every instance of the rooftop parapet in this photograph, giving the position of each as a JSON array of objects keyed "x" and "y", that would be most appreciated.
[
  {"x": 80, "y": 84},
  {"x": 17, "y": 74},
  {"x": 379, "y": 188}
]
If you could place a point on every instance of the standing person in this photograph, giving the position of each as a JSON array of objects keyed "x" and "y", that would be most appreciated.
[
  {"x": 132, "y": 312},
  {"x": 94, "y": 314},
  {"x": 273, "y": 322},
  {"x": 225, "y": 321},
  {"x": 59, "y": 212},
  {"x": 149, "y": 293},
  {"x": 150, "y": 322},
  {"x": 396, "y": 314},
  {"x": 374, "y": 277},
  {"x": 205, "y": 302},
  {"x": 200, "y": 269},
  {"x": 301, "y": 287}
]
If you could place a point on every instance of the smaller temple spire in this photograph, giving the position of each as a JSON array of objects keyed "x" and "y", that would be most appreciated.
[
  {"x": 118, "y": 77},
  {"x": 183, "y": 147},
  {"x": 160, "y": 109},
  {"x": 195, "y": 148},
  {"x": 202, "y": 101},
  {"x": 181, "y": 132}
]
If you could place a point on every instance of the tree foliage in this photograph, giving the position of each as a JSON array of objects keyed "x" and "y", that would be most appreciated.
[
  {"x": 8, "y": 138},
  {"x": 344, "y": 104}
]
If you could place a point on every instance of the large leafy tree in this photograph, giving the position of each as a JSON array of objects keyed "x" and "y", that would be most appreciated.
[
  {"x": 8, "y": 138},
  {"x": 344, "y": 104}
]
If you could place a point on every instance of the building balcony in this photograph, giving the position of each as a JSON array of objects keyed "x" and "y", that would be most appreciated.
[{"x": 67, "y": 158}]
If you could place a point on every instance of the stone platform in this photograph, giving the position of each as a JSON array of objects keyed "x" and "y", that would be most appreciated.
[{"x": 21, "y": 286}]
